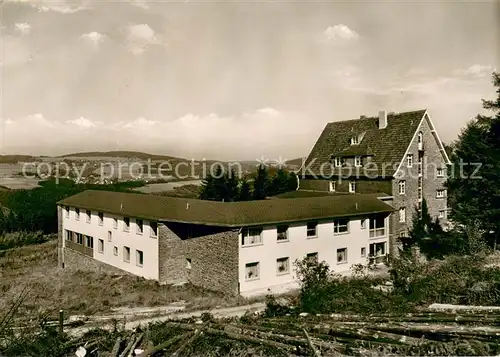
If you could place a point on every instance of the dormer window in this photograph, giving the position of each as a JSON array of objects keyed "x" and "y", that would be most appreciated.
[
  {"x": 357, "y": 161},
  {"x": 354, "y": 140},
  {"x": 339, "y": 162}
]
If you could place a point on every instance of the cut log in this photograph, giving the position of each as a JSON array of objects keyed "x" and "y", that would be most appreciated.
[
  {"x": 311, "y": 345},
  {"x": 116, "y": 347},
  {"x": 164, "y": 345},
  {"x": 128, "y": 347},
  {"x": 188, "y": 342},
  {"x": 136, "y": 342}
]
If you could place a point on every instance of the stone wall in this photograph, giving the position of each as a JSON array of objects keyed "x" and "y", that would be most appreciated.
[
  {"x": 212, "y": 255},
  {"x": 74, "y": 261}
]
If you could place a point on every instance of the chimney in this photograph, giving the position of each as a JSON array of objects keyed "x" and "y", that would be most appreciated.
[{"x": 382, "y": 119}]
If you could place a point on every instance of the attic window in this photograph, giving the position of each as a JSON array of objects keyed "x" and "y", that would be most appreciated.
[
  {"x": 354, "y": 140},
  {"x": 339, "y": 161}
]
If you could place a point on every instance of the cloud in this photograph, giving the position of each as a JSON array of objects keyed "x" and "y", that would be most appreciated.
[
  {"x": 340, "y": 33},
  {"x": 23, "y": 27},
  {"x": 476, "y": 70},
  {"x": 82, "y": 123},
  {"x": 139, "y": 37},
  {"x": 93, "y": 37},
  {"x": 140, "y": 3},
  {"x": 190, "y": 135}
]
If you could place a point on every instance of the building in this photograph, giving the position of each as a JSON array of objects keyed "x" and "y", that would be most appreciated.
[
  {"x": 399, "y": 154},
  {"x": 236, "y": 247}
]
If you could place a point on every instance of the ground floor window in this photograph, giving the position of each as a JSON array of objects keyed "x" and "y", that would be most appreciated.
[
  {"x": 126, "y": 254},
  {"x": 282, "y": 266},
  {"x": 312, "y": 257},
  {"x": 378, "y": 251},
  {"x": 252, "y": 271},
  {"x": 139, "y": 257},
  {"x": 341, "y": 255},
  {"x": 100, "y": 246}
]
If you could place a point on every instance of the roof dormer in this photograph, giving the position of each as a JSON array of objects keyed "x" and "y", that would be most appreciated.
[{"x": 357, "y": 138}]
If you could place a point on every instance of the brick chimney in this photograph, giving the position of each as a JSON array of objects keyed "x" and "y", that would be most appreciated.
[{"x": 382, "y": 119}]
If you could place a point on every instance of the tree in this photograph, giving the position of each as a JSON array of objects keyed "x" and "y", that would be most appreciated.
[
  {"x": 211, "y": 187},
  {"x": 2, "y": 221},
  {"x": 245, "y": 192},
  {"x": 261, "y": 183},
  {"x": 474, "y": 182}
]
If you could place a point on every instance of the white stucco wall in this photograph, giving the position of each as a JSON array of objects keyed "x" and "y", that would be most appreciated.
[
  {"x": 297, "y": 247},
  {"x": 147, "y": 244}
]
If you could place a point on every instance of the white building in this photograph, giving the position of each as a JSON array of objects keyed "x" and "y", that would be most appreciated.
[{"x": 237, "y": 247}]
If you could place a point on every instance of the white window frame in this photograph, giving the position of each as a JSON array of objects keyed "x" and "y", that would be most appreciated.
[
  {"x": 286, "y": 265},
  {"x": 310, "y": 229},
  {"x": 189, "y": 263},
  {"x": 332, "y": 186},
  {"x": 363, "y": 223},
  {"x": 110, "y": 236},
  {"x": 409, "y": 160},
  {"x": 377, "y": 231},
  {"x": 139, "y": 255},
  {"x": 282, "y": 236},
  {"x": 354, "y": 140},
  {"x": 115, "y": 223},
  {"x": 100, "y": 246},
  {"x": 257, "y": 269},
  {"x": 439, "y": 172},
  {"x": 363, "y": 252},
  {"x": 342, "y": 250},
  {"x": 126, "y": 251},
  {"x": 66, "y": 209},
  {"x": 253, "y": 239},
  {"x": 338, "y": 162},
  {"x": 115, "y": 250},
  {"x": 126, "y": 227},
  {"x": 77, "y": 214},
  {"x": 139, "y": 227},
  {"x": 441, "y": 193},
  {"x": 100, "y": 218},
  {"x": 402, "y": 214},
  {"x": 377, "y": 244},
  {"x": 402, "y": 187},
  {"x": 153, "y": 234},
  {"x": 358, "y": 161},
  {"x": 313, "y": 256},
  {"x": 352, "y": 186},
  {"x": 442, "y": 214},
  {"x": 339, "y": 226},
  {"x": 88, "y": 214}
]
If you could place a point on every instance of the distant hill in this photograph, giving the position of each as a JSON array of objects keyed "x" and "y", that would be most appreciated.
[
  {"x": 14, "y": 159},
  {"x": 122, "y": 154}
]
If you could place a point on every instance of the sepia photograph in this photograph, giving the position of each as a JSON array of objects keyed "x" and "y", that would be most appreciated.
[{"x": 249, "y": 178}]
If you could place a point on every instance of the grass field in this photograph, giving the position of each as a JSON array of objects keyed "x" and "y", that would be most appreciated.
[{"x": 34, "y": 269}]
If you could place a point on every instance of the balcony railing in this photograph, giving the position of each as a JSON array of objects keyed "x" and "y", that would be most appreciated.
[
  {"x": 80, "y": 248},
  {"x": 378, "y": 232}
]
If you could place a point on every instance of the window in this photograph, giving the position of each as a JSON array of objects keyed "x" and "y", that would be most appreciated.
[
  {"x": 100, "y": 217},
  {"x": 251, "y": 236},
  {"x": 79, "y": 238},
  {"x": 402, "y": 214},
  {"x": 77, "y": 214},
  {"x": 139, "y": 225},
  {"x": 419, "y": 194},
  {"x": 115, "y": 250},
  {"x": 139, "y": 258},
  {"x": 126, "y": 254},
  {"x": 363, "y": 223},
  {"x": 110, "y": 236},
  {"x": 252, "y": 271},
  {"x": 115, "y": 223},
  {"x": 312, "y": 228},
  {"x": 440, "y": 172},
  {"x": 409, "y": 160},
  {"x": 339, "y": 162},
  {"x": 363, "y": 252},
  {"x": 100, "y": 246},
  {"x": 282, "y": 266},
  {"x": 282, "y": 233},
  {"x": 357, "y": 161},
  {"x": 340, "y": 226},
  {"x": 89, "y": 215},
  {"x": 352, "y": 187},
  {"x": 67, "y": 211},
  {"x": 188, "y": 263},
  {"x": 402, "y": 187},
  {"x": 341, "y": 255},
  {"x": 442, "y": 214},
  {"x": 69, "y": 235},
  {"x": 420, "y": 141},
  {"x": 354, "y": 140},
  {"x": 377, "y": 249},
  {"x": 441, "y": 193},
  {"x": 126, "y": 224},
  {"x": 402, "y": 234},
  {"x": 90, "y": 242},
  {"x": 312, "y": 257},
  {"x": 154, "y": 229},
  {"x": 332, "y": 186},
  {"x": 377, "y": 226}
]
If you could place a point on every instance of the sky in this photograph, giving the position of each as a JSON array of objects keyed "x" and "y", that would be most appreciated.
[{"x": 234, "y": 80}]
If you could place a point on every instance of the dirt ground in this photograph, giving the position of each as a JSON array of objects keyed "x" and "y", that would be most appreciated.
[{"x": 33, "y": 270}]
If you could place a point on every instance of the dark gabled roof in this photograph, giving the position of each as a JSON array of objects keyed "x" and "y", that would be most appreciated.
[
  {"x": 227, "y": 214},
  {"x": 387, "y": 146},
  {"x": 305, "y": 193}
]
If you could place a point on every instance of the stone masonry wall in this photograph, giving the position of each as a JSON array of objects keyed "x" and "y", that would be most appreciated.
[
  {"x": 213, "y": 259},
  {"x": 433, "y": 158},
  {"x": 74, "y": 261},
  {"x": 60, "y": 233}
]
